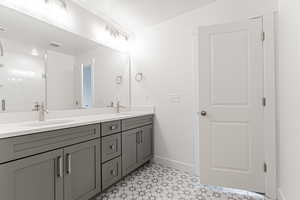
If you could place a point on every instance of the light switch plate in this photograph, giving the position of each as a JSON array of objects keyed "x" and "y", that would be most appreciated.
[{"x": 175, "y": 98}]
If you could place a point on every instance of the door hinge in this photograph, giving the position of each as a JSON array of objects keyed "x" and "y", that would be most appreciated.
[
  {"x": 264, "y": 101},
  {"x": 263, "y": 36},
  {"x": 265, "y": 167}
]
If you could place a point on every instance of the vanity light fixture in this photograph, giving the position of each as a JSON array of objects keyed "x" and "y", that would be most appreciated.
[
  {"x": 62, "y": 3},
  {"x": 113, "y": 31}
]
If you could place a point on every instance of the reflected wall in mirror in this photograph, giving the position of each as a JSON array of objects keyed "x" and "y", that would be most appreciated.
[
  {"x": 21, "y": 76},
  {"x": 87, "y": 79},
  {"x": 45, "y": 64}
]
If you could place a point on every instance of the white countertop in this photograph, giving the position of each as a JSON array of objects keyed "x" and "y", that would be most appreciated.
[{"x": 25, "y": 128}]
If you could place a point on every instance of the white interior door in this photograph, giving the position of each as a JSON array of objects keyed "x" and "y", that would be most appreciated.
[{"x": 231, "y": 92}]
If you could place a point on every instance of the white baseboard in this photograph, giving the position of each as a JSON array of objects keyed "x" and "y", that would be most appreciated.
[
  {"x": 174, "y": 163},
  {"x": 281, "y": 195}
]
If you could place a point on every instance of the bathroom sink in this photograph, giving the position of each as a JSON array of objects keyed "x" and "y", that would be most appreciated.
[
  {"x": 47, "y": 123},
  {"x": 124, "y": 114}
]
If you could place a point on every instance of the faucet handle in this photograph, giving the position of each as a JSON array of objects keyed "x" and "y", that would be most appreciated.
[
  {"x": 43, "y": 108},
  {"x": 111, "y": 105},
  {"x": 36, "y": 106}
]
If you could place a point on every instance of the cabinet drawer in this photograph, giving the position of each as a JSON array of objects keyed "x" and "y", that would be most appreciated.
[
  {"x": 136, "y": 122},
  {"x": 111, "y": 147},
  {"x": 23, "y": 146},
  {"x": 111, "y": 172},
  {"x": 109, "y": 128}
]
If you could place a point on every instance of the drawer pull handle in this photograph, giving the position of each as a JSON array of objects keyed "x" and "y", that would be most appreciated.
[
  {"x": 113, "y": 172},
  {"x": 59, "y": 167},
  {"x": 113, "y": 127},
  {"x": 112, "y": 147},
  {"x": 68, "y": 160}
]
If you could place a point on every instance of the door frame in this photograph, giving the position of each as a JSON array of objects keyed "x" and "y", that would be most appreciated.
[{"x": 270, "y": 135}]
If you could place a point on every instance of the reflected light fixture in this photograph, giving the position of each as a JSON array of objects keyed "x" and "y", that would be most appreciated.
[
  {"x": 35, "y": 52},
  {"x": 61, "y": 3},
  {"x": 114, "y": 32}
]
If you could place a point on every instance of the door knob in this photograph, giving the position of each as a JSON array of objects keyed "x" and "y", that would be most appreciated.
[{"x": 203, "y": 113}]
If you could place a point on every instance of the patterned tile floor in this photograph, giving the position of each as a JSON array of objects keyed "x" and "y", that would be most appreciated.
[{"x": 157, "y": 182}]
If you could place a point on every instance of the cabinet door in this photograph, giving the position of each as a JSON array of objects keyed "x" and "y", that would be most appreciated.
[
  {"x": 33, "y": 178},
  {"x": 82, "y": 170},
  {"x": 145, "y": 148},
  {"x": 129, "y": 151}
]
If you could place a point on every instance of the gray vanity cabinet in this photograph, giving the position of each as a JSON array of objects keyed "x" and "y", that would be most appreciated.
[
  {"x": 144, "y": 144},
  {"x": 82, "y": 170},
  {"x": 73, "y": 163},
  {"x": 56, "y": 165},
  {"x": 129, "y": 151},
  {"x": 33, "y": 178},
  {"x": 137, "y": 148}
]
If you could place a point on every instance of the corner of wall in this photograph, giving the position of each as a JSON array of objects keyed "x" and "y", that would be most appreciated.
[
  {"x": 187, "y": 167},
  {"x": 281, "y": 195}
]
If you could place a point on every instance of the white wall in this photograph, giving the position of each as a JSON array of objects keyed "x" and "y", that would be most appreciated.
[
  {"x": 166, "y": 55},
  {"x": 289, "y": 98},
  {"x": 60, "y": 81}
]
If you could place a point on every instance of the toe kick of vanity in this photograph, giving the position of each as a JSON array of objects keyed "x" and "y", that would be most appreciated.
[{"x": 74, "y": 163}]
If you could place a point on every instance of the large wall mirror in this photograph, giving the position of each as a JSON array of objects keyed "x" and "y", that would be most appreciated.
[{"x": 42, "y": 63}]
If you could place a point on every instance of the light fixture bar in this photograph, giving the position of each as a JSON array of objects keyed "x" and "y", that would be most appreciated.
[{"x": 62, "y": 2}]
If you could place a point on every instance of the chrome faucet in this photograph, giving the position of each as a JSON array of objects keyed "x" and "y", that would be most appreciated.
[
  {"x": 119, "y": 106},
  {"x": 111, "y": 105},
  {"x": 41, "y": 109}
]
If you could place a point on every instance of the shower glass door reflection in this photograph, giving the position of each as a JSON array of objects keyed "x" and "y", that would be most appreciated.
[{"x": 87, "y": 86}]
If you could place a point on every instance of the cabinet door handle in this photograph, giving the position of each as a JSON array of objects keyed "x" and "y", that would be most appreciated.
[
  {"x": 59, "y": 167},
  {"x": 114, "y": 172},
  {"x": 68, "y": 164},
  {"x": 141, "y": 136},
  {"x": 138, "y": 139}
]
